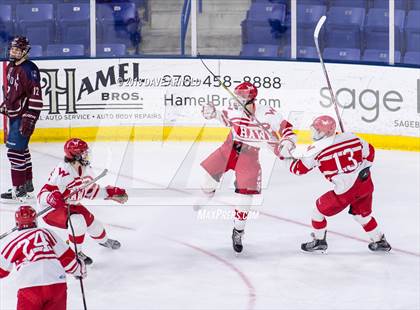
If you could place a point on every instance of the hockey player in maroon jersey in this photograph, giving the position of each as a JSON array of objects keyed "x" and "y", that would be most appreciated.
[
  {"x": 345, "y": 160},
  {"x": 22, "y": 105},
  {"x": 42, "y": 259},
  {"x": 240, "y": 151},
  {"x": 68, "y": 175}
]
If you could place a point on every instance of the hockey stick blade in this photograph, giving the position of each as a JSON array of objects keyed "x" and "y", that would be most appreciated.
[
  {"x": 94, "y": 180},
  {"x": 319, "y": 26}
]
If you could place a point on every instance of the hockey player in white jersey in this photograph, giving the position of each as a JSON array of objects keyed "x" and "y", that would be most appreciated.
[
  {"x": 42, "y": 259},
  {"x": 68, "y": 175},
  {"x": 252, "y": 126}
]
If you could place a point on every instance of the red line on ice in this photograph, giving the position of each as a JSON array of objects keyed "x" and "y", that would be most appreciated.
[{"x": 244, "y": 278}]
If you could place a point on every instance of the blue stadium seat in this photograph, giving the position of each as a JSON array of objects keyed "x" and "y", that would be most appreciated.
[
  {"x": 376, "y": 29},
  {"x": 259, "y": 34},
  {"x": 380, "y": 56},
  {"x": 36, "y": 21},
  {"x": 342, "y": 54},
  {"x": 399, "y": 4},
  {"x": 6, "y": 22},
  {"x": 350, "y": 3},
  {"x": 65, "y": 50},
  {"x": 73, "y": 23},
  {"x": 412, "y": 31},
  {"x": 313, "y": 2},
  {"x": 36, "y": 51},
  {"x": 308, "y": 15},
  {"x": 119, "y": 23},
  {"x": 344, "y": 26},
  {"x": 264, "y": 14},
  {"x": 307, "y": 18},
  {"x": 414, "y": 4},
  {"x": 303, "y": 52},
  {"x": 110, "y": 50},
  {"x": 412, "y": 58},
  {"x": 259, "y": 50}
]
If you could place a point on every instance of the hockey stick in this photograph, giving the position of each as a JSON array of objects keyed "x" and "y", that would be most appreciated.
[
  {"x": 275, "y": 138},
  {"x": 82, "y": 289},
  {"x": 42, "y": 212},
  {"x": 316, "y": 35}
]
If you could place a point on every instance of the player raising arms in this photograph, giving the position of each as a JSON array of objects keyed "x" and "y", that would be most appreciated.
[
  {"x": 67, "y": 176},
  {"x": 22, "y": 106},
  {"x": 252, "y": 126},
  {"x": 345, "y": 160},
  {"x": 42, "y": 259}
]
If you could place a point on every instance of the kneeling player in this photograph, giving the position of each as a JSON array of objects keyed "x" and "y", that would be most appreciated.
[
  {"x": 67, "y": 176},
  {"x": 42, "y": 259},
  {"x": 240, "y": 151},
  {"x": 344, "y": 159}
]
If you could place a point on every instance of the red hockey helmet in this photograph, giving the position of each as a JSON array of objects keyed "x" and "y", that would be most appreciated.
[
  {"x": 323, "y": 126},
  {"x": 246, "y": 91},
  {"x": 22, "y": 43},
  {"x": 77, "y": 150},
  {"x": 25, "y": 217}
]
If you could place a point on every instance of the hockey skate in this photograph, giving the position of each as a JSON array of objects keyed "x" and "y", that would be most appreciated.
[
  {"x": 29, "y": 187},
  {"x": 16, "y": 194},
  {"x": 237, "y": 240},
  {"x": 86, "y": 259},
  {"x": 316, "y": 245},
  {"x": 381, "y": 245},
  {"x": 112, "y": 244}
]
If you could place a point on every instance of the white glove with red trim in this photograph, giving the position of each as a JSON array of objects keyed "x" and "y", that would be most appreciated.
[
  {"x": 284, "y": 148},
  {"x": 208, "y": 111}
]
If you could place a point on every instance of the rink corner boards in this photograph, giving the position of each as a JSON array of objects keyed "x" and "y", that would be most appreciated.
[{"x": 190, "y": 134}]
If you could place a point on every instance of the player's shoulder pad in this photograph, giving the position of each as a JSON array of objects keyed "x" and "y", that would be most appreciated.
[{"x": 31, "y": 70}]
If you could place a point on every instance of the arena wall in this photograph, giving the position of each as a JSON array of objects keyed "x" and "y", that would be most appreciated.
[{"x": 155, "y": 99}]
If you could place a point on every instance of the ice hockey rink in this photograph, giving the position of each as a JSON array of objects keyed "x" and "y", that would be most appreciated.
[{"x": 172, "y": 259}]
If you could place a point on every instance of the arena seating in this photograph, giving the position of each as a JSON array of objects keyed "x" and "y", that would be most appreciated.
[
  {"x": 375, "y": 55},
  {"x": 351, "y": 24},
  {"x": 110, "y": 50},
  {"x": 68, "y": 22},
  {"x": 342, "y": 54},
  {"x": 36, "y": 21},
  {"x": 65, "y": 50}
]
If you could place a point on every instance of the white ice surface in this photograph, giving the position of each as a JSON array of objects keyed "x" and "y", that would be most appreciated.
[{"x": 169, "y": 259}]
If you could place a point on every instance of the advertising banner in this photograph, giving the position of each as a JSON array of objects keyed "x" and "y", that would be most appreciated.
[{"x": 170, "y": 92}]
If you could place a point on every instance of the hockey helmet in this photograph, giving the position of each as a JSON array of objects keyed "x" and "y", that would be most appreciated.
[
  {"x": 25, "y": 217},
  {"x": 77, "y": 150},
  {"x": 323, "y": 126},
  {"x": 22, "y": 43},
  {"x": 246, "y": 91}
]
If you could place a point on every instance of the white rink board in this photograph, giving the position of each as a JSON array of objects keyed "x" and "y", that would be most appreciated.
[{"x": 377, "y": 99}]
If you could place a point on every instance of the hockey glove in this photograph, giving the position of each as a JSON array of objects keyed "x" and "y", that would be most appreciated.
[
  {"x": 208, "y": 111},
  {"x": 80, "y": 272},
  {"x": 117, "y": 194},
  {"x": 27, "y": 126},
  {"x": 284, "y": 148},
  {"x": 3, "y": 109},
  {"x": 56, "y": 200}
]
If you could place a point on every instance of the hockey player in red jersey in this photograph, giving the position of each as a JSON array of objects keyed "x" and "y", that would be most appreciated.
[
  {"x": 42, "y": 259},
  {"x": 345, "y": 160},
  {"x": 67, "y": 176},
  {"x": 252, "y": 126},
  {"x": 22, "y": 105}
]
